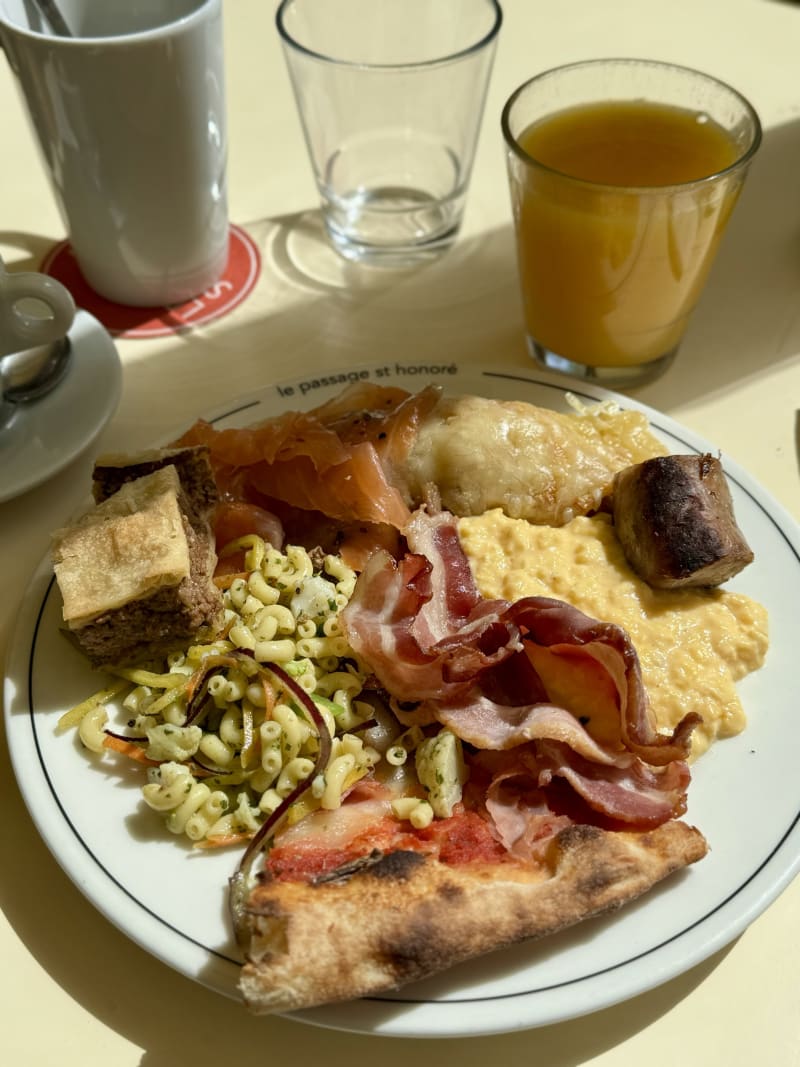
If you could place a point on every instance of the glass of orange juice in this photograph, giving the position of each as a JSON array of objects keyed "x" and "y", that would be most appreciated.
[{"x": 623, "y": 175}]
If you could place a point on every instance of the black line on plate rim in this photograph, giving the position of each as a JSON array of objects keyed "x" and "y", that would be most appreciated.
[
  {"x": 410, "y": 1000},
  {"x": 114, "y": 881},
  {"x": 235, "y": 411}
]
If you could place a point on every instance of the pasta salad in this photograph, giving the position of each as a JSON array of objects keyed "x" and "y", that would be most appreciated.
[{"x": 225, "y": 730}]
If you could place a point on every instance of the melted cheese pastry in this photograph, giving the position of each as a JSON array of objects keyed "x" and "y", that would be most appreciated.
[
  {"x": 534, "y": 463},
  {"x": 693, "y": 644}
]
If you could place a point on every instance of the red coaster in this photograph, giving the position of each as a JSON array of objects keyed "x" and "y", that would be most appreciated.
[{"x": 238, "y": 279}]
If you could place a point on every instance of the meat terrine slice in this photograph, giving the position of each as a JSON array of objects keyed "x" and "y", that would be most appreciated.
[{"x": 135, "y": 573}]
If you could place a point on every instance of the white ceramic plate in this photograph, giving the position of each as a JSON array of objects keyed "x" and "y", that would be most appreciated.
[
  {"x": 172, "y": 900},
  {"x": 44, "y": 437}
]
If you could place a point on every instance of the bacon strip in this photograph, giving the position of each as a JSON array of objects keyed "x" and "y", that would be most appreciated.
[
  {"x": 486, "y": 724},
  {"x": 633, "y": 793},
  {"x": 430, "y": 639},
  {"x": 519, "y": 813},
  {"x": 453, "y": 595},
  {"x": 393, "y": 620},
  {"x": 558, "y": 626}
]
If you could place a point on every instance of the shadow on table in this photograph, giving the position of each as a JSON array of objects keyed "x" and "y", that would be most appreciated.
[
  {"x": 160, "y": 1011},
  {"x": 747, "y": 320},
  {"x": 466, "y": 304},
  {"x": 30, "y": 248}
]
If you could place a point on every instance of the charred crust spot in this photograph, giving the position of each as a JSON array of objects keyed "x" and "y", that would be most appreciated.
[
  {"x": 414, "y": 953},
  {"x": 597, "y": 881},
  {"x": 450, "y": 892},
  {"x": 568, "y": 841},
  {"x": 396, "y": 866},
  {"x": 575, "y": 836},
  {"x": 347, "y": 870}
]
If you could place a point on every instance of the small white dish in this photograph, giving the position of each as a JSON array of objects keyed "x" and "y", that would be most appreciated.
[{"x": 43, "y": 437}]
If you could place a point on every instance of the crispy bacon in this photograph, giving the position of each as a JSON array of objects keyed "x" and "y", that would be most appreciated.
[
  {"x": 386, "y": 623},
  {"x": 453, "y": 593},
  {"x": 469, "y": 664},
  {"x": 629, "y": 792}
]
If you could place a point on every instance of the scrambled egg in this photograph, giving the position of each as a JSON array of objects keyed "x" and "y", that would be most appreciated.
[{"x": 693, "y": 644}]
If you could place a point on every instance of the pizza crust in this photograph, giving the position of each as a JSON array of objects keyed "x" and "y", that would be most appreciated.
[{"x": 405, "y": 916}]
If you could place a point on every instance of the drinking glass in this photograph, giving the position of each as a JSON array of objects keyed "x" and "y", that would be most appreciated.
[
  {"x": 390, "y": 95},
  {"x": 616, "y": 237}
]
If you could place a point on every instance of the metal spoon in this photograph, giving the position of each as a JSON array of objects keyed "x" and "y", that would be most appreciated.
[
  {"x": 57, "y": 22},
  {"x": 28, "y": 376}
]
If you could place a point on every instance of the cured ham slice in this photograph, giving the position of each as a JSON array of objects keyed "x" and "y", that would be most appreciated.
[
  {"x": 629, "y": 792},
  {"x": 435, "y": 645}
]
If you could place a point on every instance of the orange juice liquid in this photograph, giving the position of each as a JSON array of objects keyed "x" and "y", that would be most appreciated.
[{"x": 612, "y": 265}]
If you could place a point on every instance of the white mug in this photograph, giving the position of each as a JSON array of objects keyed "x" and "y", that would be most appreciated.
[
  {"x": 21, "y": 295},
  {"x": 129, "y": 113}
]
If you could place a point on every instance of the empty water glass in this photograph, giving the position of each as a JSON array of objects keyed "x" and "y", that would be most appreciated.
[{"x": 390, "y": 95}]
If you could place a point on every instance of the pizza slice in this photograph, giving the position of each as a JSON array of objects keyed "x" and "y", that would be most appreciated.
[
  {"x": 389, "y": 918},
  {"x": 517, "y": 819}
]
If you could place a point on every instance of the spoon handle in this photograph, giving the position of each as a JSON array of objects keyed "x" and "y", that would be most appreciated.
[
  {"x": 18, "y": 386},
  {"x": 57, "y": 22}
]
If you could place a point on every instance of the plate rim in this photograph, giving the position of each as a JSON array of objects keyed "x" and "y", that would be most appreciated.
[{"x": 411, "y": 1014}]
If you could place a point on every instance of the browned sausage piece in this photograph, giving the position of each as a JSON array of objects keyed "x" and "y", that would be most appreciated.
[{"x": 674, "y": 519}]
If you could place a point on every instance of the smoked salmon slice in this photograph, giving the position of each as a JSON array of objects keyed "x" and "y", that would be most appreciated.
[{"x": 343, "y": 458}]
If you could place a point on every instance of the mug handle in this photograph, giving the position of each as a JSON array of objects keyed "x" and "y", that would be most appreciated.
[{"x": 18, "y": 328}]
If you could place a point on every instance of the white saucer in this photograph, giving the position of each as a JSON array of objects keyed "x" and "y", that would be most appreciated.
[{"x": 43, "y": 437}]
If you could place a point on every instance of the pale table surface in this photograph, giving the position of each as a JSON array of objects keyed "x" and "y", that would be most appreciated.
[{"x": 73, "y": 990}]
